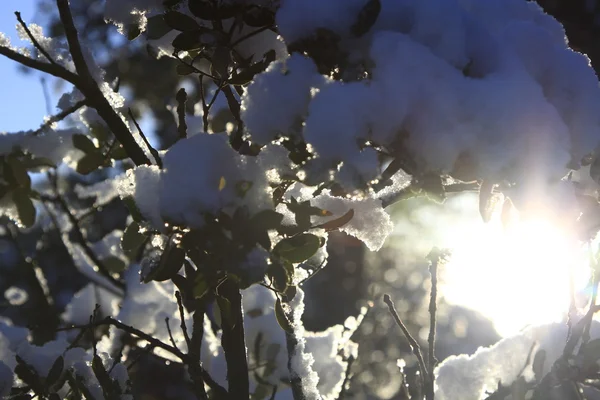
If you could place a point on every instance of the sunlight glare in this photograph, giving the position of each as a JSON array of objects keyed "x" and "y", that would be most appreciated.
[{"x": 515, "y": 277}]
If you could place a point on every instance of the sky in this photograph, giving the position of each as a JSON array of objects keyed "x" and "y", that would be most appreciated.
[{"x": 21, "y": 98}]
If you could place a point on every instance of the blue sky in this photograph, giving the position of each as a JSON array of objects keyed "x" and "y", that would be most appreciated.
[{"x": 21, "y": 98}]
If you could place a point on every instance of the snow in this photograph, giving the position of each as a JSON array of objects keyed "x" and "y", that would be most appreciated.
[
  {"x": 286, "y": 87},
  {"x": 370, "y": 223},
  {"x": 468, "y": 377},
  {"x": 57, "y": 146}
]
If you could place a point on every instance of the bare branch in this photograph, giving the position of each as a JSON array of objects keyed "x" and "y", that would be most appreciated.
[
  {"x": 414, "y": 346},
  {"x": 60, "y": 116}
]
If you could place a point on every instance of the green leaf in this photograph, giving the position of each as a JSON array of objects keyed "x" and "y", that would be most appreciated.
[
  {"x": 266, "y": 219},
  {"x": 55, "y": 371},
  {"x": 258, "y": 17},
  {"x": 134, "y": 211},
  {"x": 18, "y": 171},
  {"x": 114, "y": 264},
  {"x": 157, "y": 27},
  {"x": 118, "y": 153},
  {"x": 109, "y": 387},
  {"x": 184, "y": 69},
  {"x": 170, "y": 263},
  {"x": 133, "y": 31},
  {"x": 209, "y": 11},
  {"x": 246, "y": 75},
  {"x": 28, "y": 375},
  {"x": 25, "y": 207},
  {"x": 225, "y": 311},
  {"x": 298, "y": 248},
  {"x": 180, "y": 22},
  {"x": 282, "y": 319},
  {"x": 132, "y": 238},
  {"x": 201, "y": 286},
  {"x": 89, "y": 163},
  {"x": 84, "y": 143},
  {"x": 187, "y": 41},
  {"x": 366, "y": 18}
]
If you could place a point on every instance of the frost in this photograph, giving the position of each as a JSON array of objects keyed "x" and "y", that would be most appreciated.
[
  {"x": 370, "y": 223},
  {"x": 56, "y": 48},
  {"x": 123, "y": 13}
]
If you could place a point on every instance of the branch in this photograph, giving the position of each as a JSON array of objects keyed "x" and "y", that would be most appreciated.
[
  {"x": 414, "y": 346},
  {"x": 233, "y": 340},
  {"x": 181, "y": 98},
  {"x": 79, "y": 236},
  {"x": 60, "y": 116},
  {"x": 51, "y": 69},
  {"x": 89, "y": 87},
  {"x": 36, "y": 44}
]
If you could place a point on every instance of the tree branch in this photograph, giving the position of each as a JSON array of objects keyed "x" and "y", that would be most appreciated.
[
  {"x": 233, "y": 340},
  {"x": 89, "y": 87},
  {"x": 414, "y": 345},
  {"x": 60, "y": 116},
  {"x": 34, "y": 41},
  {"x": 51, "y": 69}
]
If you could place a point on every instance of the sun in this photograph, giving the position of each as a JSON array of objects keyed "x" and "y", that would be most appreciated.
[{"x": 516, "y": 277}]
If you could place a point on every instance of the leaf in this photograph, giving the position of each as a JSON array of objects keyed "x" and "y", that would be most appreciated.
[
  {"x": 118, "y": 153},
  {"x": 180, "y": 22},
  {"x": 187, "y": 41},
  {"x": 25, "y": 207},
  {"x": 114, "y": 264},
  {"x": 55, "y": 371},
  {"x": 282, "y": 319},
  {"x": 246, "y": 75},
  {"x": 184, "y": 69},
  {"x": 222, "y": 183},
  {"x": 28, "y": 375},
  {"x": 18, "y": 171},
  {"x": 225, "y": 311},
  {"x": 366, "y": 18},
  {"x": 258, "y": 17},
  {"x": 170, "y": 263},
  {"x": 208, "y": 11},
  {"x": 261, "y": 392},
  {"x": 133, "y": 31},
  {"x": 106, "y": 382},
  {"x": 84, "y": 143},
  {"x": 298, "y": 248},
  {"x": 132, "y": 238},
  {"x": 266, "y": 219},
  {"x": 157, "y": 27},
  {"x": 338, "y": 222},
  {"x": 201, "y": 286},
  {"x": 89, "y": 163},
  {"x": 134, "y": 211}
]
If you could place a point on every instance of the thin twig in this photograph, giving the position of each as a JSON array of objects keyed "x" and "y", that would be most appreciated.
[
  {"x": 170, "y": 333},
  {"x": 152, "y": 149},
  {"x": 182, "y": 316},
  {"x": 432, "y": 361},
  {"x": 414, "y": 346},
  {"x": 80, "y": 237},
  {"x": 33, "y": 39},
  {"x": 60, "y": 116}
]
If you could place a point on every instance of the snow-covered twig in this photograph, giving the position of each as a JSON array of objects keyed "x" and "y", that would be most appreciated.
[{"x": 89, "y": 87}]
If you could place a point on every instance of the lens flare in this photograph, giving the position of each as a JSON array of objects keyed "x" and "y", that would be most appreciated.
[{"x": 516, "y": 277}]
